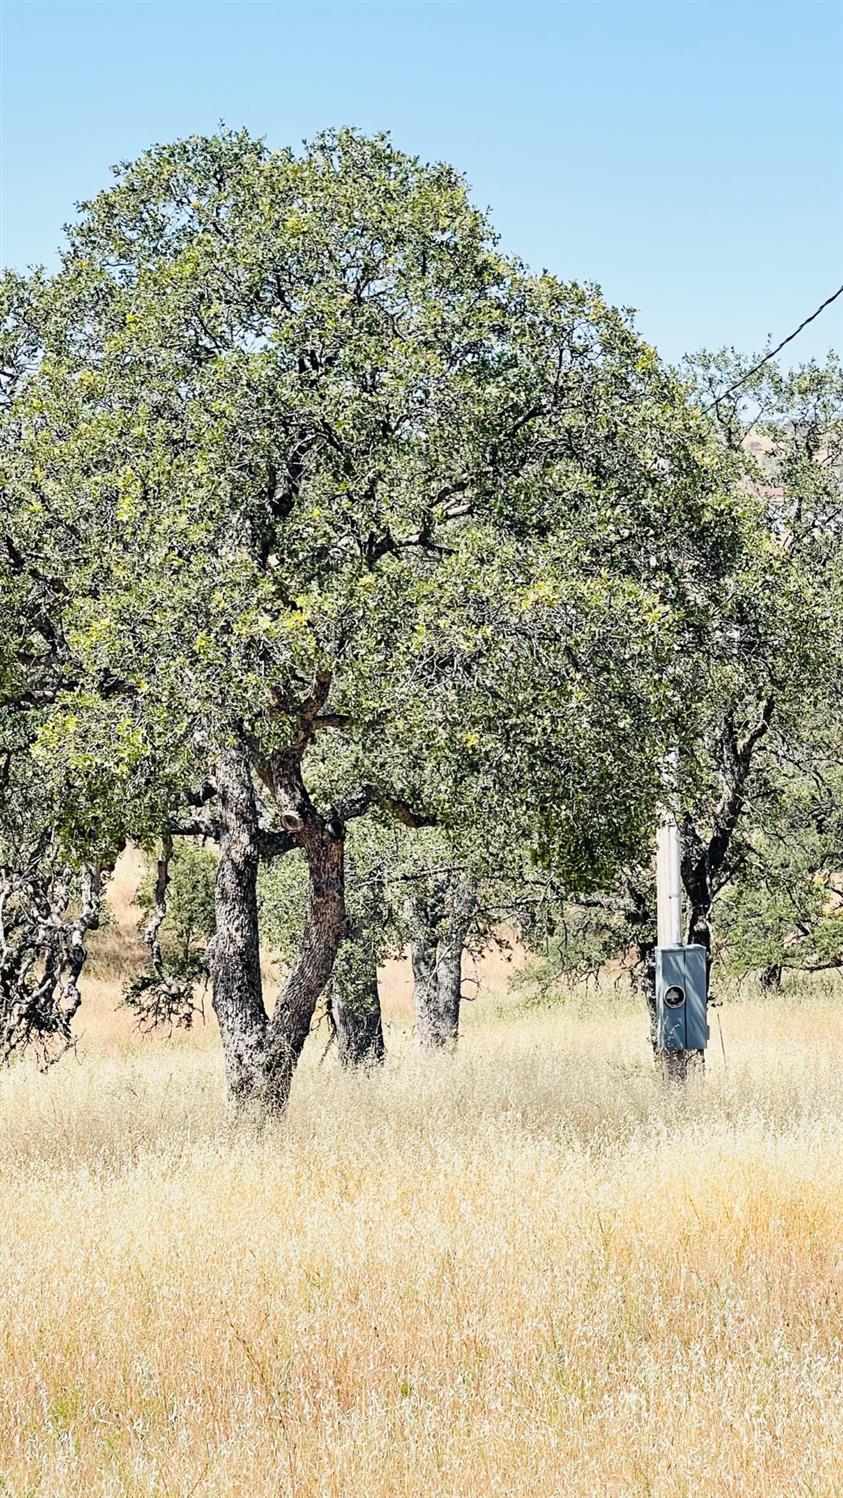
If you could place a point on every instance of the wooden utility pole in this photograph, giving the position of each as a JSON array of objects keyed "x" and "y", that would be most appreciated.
[{"x": 669, "y": 883}]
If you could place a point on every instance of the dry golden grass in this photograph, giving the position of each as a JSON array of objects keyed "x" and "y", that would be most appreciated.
[{"x": 524, "y": 1271}]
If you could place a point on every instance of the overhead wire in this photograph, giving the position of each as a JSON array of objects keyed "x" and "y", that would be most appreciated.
[{"x": 771, "y": 353}]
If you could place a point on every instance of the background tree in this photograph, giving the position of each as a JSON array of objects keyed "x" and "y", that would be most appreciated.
[
  {"x": 778, "y": 681},
  {"x": 177, "y": 896},
  {"x": 785, "y": 910},
  {"x": 763, "y": 694},
  {"x": 49, "y": 898}
]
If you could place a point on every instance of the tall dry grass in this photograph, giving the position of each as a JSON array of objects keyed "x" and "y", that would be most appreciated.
[{"x": 524, "y": 1271}]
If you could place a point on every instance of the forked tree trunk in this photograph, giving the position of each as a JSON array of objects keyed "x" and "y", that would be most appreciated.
[
  {"x": 323, "y": 842},
  {"x": 235, "y": 954},
  {"x": 261, "y": 1053},
  {"x": 355, "y": 1008}
]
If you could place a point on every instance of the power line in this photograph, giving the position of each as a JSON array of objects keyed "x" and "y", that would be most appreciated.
[{"x": 773, "y": 351}]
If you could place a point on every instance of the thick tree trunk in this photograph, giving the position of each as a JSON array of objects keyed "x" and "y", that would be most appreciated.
[
  {"x": 323, "y": 843},
  {"x": 434, "y": 1030},
  {"x": 449, "y": 986},
  {"x": 235, "y": 954},
  {"x": 441, "y": 918},
  {"x": 261, "y": 1053},
  {"x": 355, "y": 1008},
  {"x": 675, "y": 1064}
]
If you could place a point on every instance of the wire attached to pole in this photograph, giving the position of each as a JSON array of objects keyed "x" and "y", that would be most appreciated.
[{"x": 772, "y": 353}]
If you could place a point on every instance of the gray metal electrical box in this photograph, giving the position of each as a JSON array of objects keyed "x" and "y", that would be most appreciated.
[{"x": 681, "y": 998}]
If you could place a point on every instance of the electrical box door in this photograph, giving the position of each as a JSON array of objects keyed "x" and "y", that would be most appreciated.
[{"x": 681, "y": 998}]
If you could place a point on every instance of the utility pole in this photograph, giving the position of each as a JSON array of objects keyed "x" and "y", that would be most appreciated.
[
  {"x": 681, "y": 970},
  {"x": 669, "y": 883}
]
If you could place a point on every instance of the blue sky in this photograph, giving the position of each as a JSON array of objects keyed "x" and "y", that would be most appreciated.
[{"x": 689, "y": 156}]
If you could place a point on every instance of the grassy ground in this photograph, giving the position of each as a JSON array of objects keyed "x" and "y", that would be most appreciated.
[{"x": 524, "y": 1271}]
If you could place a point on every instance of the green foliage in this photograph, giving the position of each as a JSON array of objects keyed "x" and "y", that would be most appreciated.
[
  {"x": 377, "y": 855},
  {"x": 786, "y": 908},
  {"x": 189, "y": 921},
  {"x": 282, "y": 905},
  {"x": 577, "y": 942},
  {"x": 297, "y": 414}
]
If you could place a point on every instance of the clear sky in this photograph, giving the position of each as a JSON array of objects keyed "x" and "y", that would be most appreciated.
[{"x": 687, "y": 155}]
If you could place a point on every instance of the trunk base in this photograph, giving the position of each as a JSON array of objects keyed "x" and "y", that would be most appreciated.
[
  {"x": 677, "y": 1066},
  {"x": 354, "y": 1013}
]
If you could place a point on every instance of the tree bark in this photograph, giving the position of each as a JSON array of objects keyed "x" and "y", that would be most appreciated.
[
  {"x": 323, "y": 842},
  {"x": 423, "y": 956},
  {"x": 449, "y": 985},
  {"x": 675, "y": 1064},
  {"x": 441, "y": 917},
  {"x": 260, "y": 1052},
  {"x": 355, "y": 1009},
  {"x": 235, "y": 953}
]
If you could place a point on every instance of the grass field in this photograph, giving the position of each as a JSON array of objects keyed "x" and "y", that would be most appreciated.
[{"x": 524, "y": 1271}]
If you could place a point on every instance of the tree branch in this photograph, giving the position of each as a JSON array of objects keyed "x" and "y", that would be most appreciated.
[{"x": 368, "y": 796}]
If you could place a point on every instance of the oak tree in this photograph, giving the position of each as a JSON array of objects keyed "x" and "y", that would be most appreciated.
[{"x": 343, "y": 511}]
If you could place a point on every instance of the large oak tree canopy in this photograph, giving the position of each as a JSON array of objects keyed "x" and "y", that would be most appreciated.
[{"x": 321, "y": 478}]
